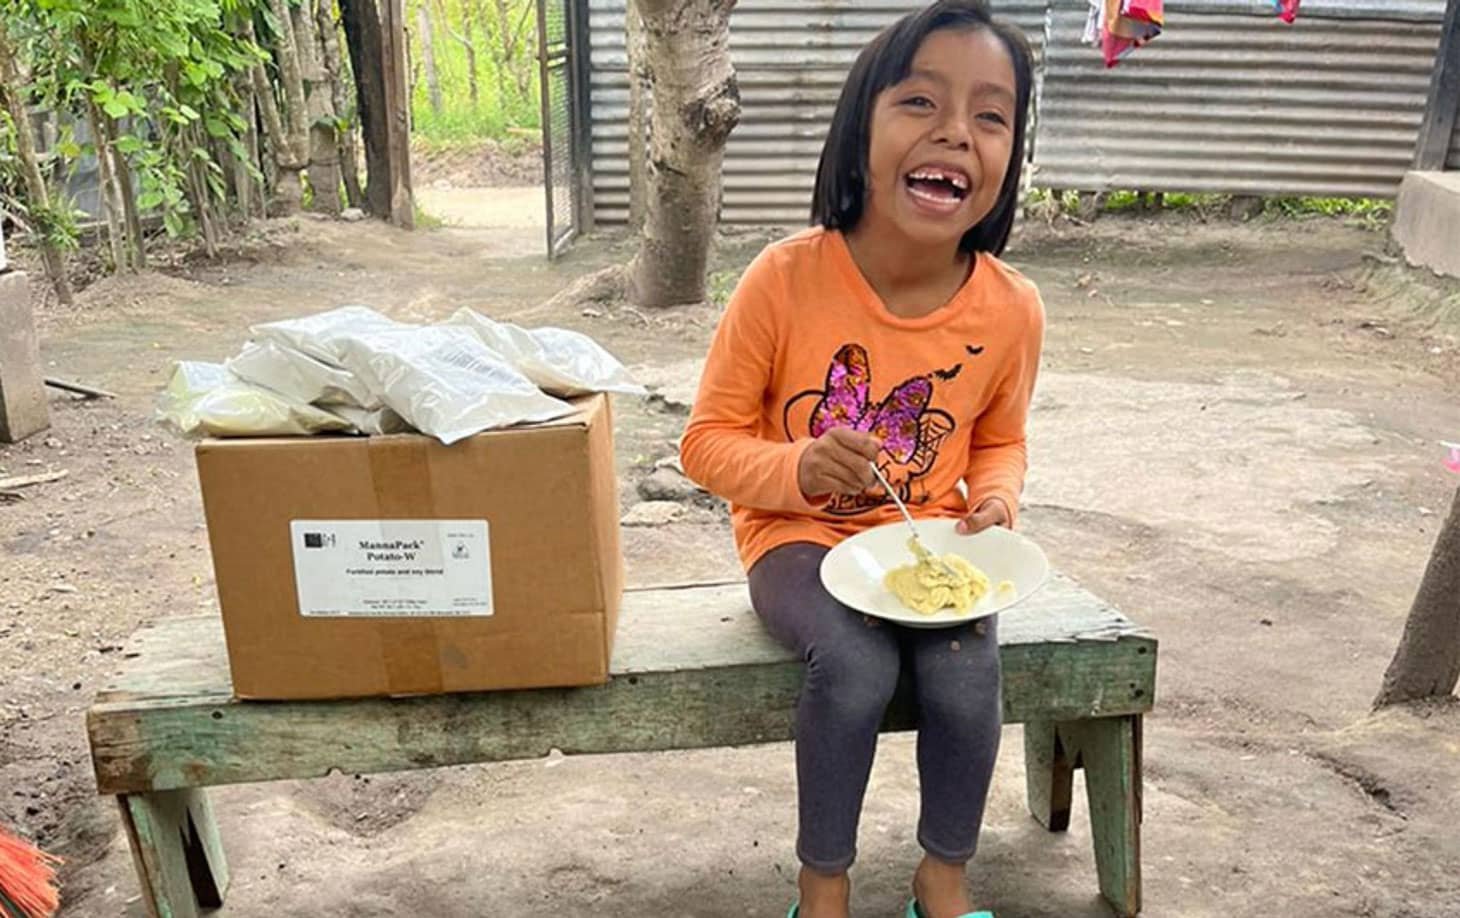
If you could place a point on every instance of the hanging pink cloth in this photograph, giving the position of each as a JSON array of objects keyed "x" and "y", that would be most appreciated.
[
  {"x": 1118, "y": 27},
  {"x": 1287, "y": 10},
  {"x": 1129, "y": 24}
]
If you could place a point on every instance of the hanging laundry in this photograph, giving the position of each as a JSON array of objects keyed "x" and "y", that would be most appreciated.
[
  {"x": 1094, "y": 23},
  {"x": 1118, "y": 27},
  {"x": 1287, "y": 10}
]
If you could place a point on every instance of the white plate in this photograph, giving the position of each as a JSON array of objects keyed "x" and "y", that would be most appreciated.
[{"x": 853, "y": 571}]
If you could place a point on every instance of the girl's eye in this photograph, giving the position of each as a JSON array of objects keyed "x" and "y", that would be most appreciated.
[
  {"x": 919, "y": 102},
  {"x": 994, "y": 118}
]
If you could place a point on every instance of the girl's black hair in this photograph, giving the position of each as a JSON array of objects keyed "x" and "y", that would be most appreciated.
[{"x": 841, "y": 176}]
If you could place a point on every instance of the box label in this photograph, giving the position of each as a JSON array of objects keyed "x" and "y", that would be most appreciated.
[{"x": 392, "y": 568}]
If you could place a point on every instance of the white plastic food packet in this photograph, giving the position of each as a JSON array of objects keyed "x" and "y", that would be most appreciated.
[
  {"x": 372, "y": 422},
  {"x": 319, "y": 335},
  {"x": 299, "y": 376},
  {"x": 206, "y": 400},
  {"x": 445, "y": 382},
  {"x": 560, "y": 361}
]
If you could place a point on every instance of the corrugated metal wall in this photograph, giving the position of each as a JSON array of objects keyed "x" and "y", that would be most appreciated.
[
  {"x": 1453, "y": 161},
  {"x": 1229, "y": 99},
  {"x": 791, "y": 57},
  {"x": 1240, "y": 103}
]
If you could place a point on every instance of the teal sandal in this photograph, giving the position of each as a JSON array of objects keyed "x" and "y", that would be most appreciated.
[{"x": 916, "y": 911}]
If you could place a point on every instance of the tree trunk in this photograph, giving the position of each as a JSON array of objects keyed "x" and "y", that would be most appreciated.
[
  {"x": 428, "y": 58},
  {"x": 324, "y": 148},
  {"x": 365, "y": 41},
  {"x": 288, "y": 194},
  {"x": 329, "y": 43},
  {"x": 110, "y": 193},
  {"x": 499, "y": 53},
  {"x": 464, "y": 39},
  {"x": 468, "y": 41},
  {"x": 638, "y": 117},
  {"x": 696, "y": 104},
  {"x": 295, "y": 109},
  {"x": 523, "y": 65},
  {"x": 1427, "y": 663},
  {"x": 202, "y": 198},
  {"x": 241, "y": 173},
  {"x": 123, "y": 172},
  {"x": 35, "y": 183}
]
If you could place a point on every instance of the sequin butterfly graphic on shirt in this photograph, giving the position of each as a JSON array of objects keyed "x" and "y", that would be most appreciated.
[{"x": 911, "y": 432}]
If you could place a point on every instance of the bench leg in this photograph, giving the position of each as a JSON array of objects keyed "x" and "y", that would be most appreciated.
[
  {"x": 1109, "y": 749},
  {"x": 176, "y": 850},
  {"x": 1048, "y": 774}
]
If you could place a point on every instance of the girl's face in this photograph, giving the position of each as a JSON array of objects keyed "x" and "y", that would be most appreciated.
[{"x": 941, "y": 139}]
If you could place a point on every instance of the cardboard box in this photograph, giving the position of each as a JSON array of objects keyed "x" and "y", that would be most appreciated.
[{"x": 497, "y": 564}]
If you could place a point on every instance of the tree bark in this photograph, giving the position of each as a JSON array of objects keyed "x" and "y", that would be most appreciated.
[
  {"x": 241, "y": 173},
  {"x": 365, "y": 40},
  {"x": 1427, "y": 663},
  {"x": 133, "y": 218},
  {"x": 499, "y": 53},
  {"x": 324, "y": 149},
  {"x": 696, "y": 104},
  {"x": 428, "y": 58},
  {"x": 463, "y": 38},
  {"x": 468, "y": 41},
  {"x": 329, "y": 42},
  {"x": 295, "y": 111},
  {"x": 200, "y": 194},
  {"x": 638, "y": 117},
  {"x": 111, "y": 198},
  {"x": 35, "y": 183}
]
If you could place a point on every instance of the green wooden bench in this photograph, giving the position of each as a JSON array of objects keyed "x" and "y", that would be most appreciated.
[{"x": 691, "y": 668}]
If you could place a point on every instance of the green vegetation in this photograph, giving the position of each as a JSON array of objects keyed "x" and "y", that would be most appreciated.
[{"x": 484, "y": 58}]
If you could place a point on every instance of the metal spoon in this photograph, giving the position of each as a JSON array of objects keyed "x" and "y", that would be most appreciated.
[{"x": 919, "y": 548}]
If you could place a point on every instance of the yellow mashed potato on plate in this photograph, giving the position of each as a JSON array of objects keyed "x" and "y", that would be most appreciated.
[{"x": 930, "y": 586}]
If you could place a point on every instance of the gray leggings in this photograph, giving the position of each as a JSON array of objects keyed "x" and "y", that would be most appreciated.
[{"x": 852, "y": 667}]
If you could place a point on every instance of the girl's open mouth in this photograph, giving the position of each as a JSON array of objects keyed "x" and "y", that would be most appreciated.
[{"x": 937, "y": 188}]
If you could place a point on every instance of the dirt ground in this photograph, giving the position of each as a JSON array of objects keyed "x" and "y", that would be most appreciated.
[{"x": 1234, "y": 440}]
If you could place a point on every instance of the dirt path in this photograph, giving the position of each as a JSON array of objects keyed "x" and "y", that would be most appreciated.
[{"x": 1234, "y": 440}]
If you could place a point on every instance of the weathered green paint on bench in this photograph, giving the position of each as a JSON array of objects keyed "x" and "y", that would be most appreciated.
[
  {"x": 177, "y": 851},
  {"x": 692, "y": 668}
]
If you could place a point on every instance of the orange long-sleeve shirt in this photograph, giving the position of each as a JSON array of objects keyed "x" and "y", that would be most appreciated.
[{"x": 806, "y": 344}]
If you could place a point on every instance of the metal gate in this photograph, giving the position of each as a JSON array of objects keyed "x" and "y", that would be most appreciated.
[{"x": 564, "y": 127}]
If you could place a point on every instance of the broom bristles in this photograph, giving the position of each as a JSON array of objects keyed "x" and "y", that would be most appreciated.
[{"x": 28, "y": 877}]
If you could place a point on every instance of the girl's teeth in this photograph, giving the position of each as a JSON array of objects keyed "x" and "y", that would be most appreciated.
[{"x": 932, "y": 198}]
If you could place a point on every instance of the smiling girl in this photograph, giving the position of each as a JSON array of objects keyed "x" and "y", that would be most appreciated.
[{"x": 889, "y": 333}]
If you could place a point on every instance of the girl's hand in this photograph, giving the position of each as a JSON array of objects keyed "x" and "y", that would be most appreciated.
[
  {"x": 992, "y": 512},
  {"x": 839, "y": 462}
]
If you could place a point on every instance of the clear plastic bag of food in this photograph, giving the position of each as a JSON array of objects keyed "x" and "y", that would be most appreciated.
[
  {"x": 206, "y": 400},
  {"x": 372, "y": 422},
  {"x": 445, "y": 382},
  {"x": 561, "y": 362},
  {"x": 299, "y": 376},
  {"x": 319, "y": 335}
]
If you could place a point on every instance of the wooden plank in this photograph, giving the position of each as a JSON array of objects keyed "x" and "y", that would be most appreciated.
[
  {"x": 1110, "y": 751},
  {"x": 25, "y": 481},
  {"x": 1048, "y": 774},
  {"x": 154, "y": 828},
  {"x": 691, "y": 669},
  {"x": 397, "y": 112},
  {"x": 206, "y": 862},
  {"x": 1442, "y": 105},
  {"x": 66, "y": 385},
  {"x": 176, "y": 851},
  {"x": 663, "y": 630}
]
